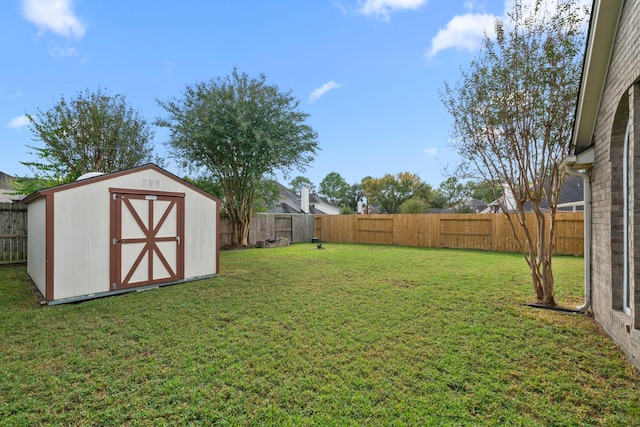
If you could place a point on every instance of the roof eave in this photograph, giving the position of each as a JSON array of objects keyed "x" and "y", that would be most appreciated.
[{"x": 602, "y": 34}]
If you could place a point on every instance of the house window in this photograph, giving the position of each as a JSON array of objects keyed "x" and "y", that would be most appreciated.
[{"x": 627, "y": 170}]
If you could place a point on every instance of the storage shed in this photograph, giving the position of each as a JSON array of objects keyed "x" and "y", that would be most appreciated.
[{"x": 112, "y": 233}]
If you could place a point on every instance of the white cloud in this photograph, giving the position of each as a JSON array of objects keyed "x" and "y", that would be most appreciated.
[
  {"x": 463, "y": 32},
  {"x": 19, "y": 122},
  {"x": 466, "y": 31},
  {"x": 62, "y": 52},
  {"x": 316, "y": 94},
  {"x": 53, "y": 15},
  {"x": 469, "y": 5},
  {"x": 383, "y": 8},
  {"x": 431, "y": 152}
]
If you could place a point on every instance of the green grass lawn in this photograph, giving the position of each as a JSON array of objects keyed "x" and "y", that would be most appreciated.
[{"x": 349, "y": 335}]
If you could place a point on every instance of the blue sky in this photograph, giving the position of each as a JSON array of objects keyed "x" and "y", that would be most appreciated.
[{"x": 368, "y": 72}]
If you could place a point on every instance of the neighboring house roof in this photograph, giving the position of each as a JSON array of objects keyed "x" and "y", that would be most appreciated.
[
  {"x": 571, "y": 193},
  {"x": 6, "y": 181},
  {"x": 475, "y": 205},
  {"x": 468, "y": 204},
  {"x": 7, "y": 189},
  {"x": 290, "y": 202},
  {"x": 7, "y": 196}
]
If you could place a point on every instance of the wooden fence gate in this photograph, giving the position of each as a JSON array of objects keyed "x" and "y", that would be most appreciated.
[
  {"x": 297, "y": 228},
  {"x": 13, "y": 232}
]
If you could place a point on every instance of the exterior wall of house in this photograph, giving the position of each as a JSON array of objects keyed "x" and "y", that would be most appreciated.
[
  {"x": 620, "y": 101},
  {"x": 36, "y": 226}
]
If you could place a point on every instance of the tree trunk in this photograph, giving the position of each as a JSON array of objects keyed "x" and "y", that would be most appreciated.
[
  {"x": 536, "y": 253},
  {"x": 240, "y": 230},
  {"x": 240, "y": 217},
  {"x": 545, "y": 251},
  {"x": 243, "y": 233}
]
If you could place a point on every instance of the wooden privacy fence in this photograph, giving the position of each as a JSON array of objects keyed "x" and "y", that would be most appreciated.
[
  {"x": 297, "y": 228},
  {"x": 468, "y": 231},
  {"x": 13, "y": 232},
  {"x": 490, "y": 232}
]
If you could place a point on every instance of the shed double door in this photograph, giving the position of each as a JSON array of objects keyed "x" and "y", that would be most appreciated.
[{"x": 147, "y": 238}]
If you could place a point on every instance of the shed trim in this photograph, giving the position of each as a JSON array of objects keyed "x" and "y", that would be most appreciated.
[
  {"x": 149, "y": 166},
  {"x": 49, "y": 265},
  {"x": 116, "y": 280},
  {"x": 113, "y": 190},
  {"x": 218, "y": 239},
  {"x": 87, "y": 297}
]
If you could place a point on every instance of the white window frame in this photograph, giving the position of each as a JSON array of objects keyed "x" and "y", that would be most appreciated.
[{"x": 626, "y": 285}]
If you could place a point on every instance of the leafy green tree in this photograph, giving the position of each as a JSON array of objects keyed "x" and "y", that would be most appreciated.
[
  {"x": 391, "y": 191},
  {"x": 93, "y": 132},
  {"x": 207, "y": 184},
  {"x": 240, "y": 130},
  {"x": 267, "y": 193},
  {"x": 439, "y": 201},
  {"x": 452, "y": 190},
  {"x": 334, "y": 188},
  {"x": 511, "y": 113},
  {"x": 415, "y": 205},
  {"x": 483, "y": 190},
  {"x": 298, "y": 182},
  {"x": 346, "y": 210},
  {"x": 353, "y": 196}
]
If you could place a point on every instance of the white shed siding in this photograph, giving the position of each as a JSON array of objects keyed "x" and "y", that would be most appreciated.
[
  {"x": 37, "y": 228},
  {"x": 81, "y": 240},
  {"x": 200, "y": 235}
]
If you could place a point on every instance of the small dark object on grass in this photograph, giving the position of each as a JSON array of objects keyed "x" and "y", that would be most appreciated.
[{"x": 317, "y": 241}]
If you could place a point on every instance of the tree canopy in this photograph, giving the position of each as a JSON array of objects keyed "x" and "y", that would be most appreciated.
[
  {"x": 391, "y": 191},
  {"x": 511, "y": 113},
  {"x": 92, "y": 132},
  {"x": 334, "y": 188},
  {"x": 240, "y": 130},
  {"x": 452, "y": 190},
  {"x": 298, "y": 182},
  {"x": 483, "y": 190}
]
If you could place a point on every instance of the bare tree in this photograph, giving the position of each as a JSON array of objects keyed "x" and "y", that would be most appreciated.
[{"x": 512, "y": 119}]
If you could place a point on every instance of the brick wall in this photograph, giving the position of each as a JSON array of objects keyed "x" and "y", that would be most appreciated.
[{"x": 620, "y": 100}]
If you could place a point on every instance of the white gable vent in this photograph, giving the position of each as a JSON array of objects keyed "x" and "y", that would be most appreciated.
[{"x": 152, "y": 183}]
